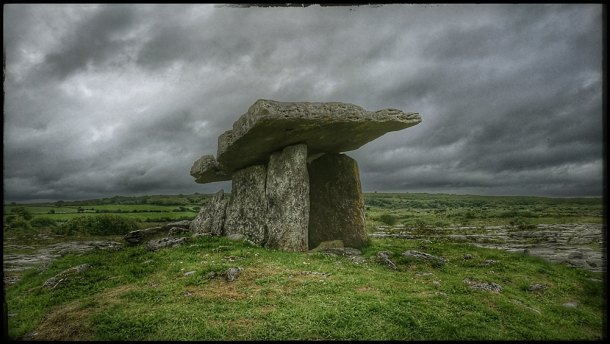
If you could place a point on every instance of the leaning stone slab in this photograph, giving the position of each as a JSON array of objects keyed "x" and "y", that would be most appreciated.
[
  {"x": 270, "y": 125},
  {"x": 336, "y": 210},
  {"x": 287, "y": 191},
  {"x": 211, "y": 218}
]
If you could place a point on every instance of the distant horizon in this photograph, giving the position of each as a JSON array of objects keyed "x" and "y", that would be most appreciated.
[{"x": 35, "y": 201}]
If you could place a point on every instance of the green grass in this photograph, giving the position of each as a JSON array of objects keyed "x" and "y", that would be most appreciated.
[
  {"x": 133, "y": 294},
  {"x": 438, "y": 210}
]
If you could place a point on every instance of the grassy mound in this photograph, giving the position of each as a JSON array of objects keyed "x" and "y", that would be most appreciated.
[{"x": 133, "y": 294}]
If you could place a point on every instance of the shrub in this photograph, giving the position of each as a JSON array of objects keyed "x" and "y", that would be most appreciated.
[
  {"x": 41, "y": 221},
  {"x": 23, "y": 212},
  {"x": 20, "y": 222},
  {"x": 98, "y": 225},
  {"x": 388, "y": 219}
]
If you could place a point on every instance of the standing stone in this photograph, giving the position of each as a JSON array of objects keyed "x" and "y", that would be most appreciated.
[
  {"x": 247, "y": 209},
  {"x": 336, "y": 210},
  {"x": 211, "y": 218},
  {"x": 287, "y": 193}
]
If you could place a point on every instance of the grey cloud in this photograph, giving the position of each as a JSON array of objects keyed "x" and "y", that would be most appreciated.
[{"x": 121, "y": 99}]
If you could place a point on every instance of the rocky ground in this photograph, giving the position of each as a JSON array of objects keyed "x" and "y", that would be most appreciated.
[
  {"x": 15, "y": 263},
  {"x": 577, "y": 245}
]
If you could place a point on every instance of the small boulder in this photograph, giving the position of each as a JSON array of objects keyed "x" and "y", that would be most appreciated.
[
  {"x": 54, "y": 281},
  {"x": 411, "y": 254},
  {"x": 467, "y": 256},
  {"x": 138, "y": 236},
  {"x": 536, "y": 287},
  {"x": 485, "y": 286},
  {"x": 384, "y": 258},
  {"x": 571, "y": 304},
  {"x": 180, "y": 224},
  {"x": 231, "y": 274},
  {"x": 157, "y": 244}
]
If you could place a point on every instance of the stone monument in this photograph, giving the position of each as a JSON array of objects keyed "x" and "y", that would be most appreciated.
[{"x": 291, "y": 186}]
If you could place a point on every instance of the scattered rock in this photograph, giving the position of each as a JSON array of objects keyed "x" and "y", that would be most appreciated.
[
  {"x": 343, "y": 251},
  {"x": 485, "y": 286},
  {"x": 489, "y": 262},
  {"x": 384, "y": 258},
  {"x": 211, "y": 275},
  {"x": 536, "y": 287},
  {"x": 54, "y": 281},
  {"x": 138, "y": 236},
  {"x": 185, "y": 224},
  {"x": 571, "y": 304},
  {"x": 467, "y": 256},
  {"x": 231, "y": 274},
  {"x": 315, "y": 273},
  {"x": 411, "y": 254},
  {"x": 189, "y": 273},
  {"x": 575, "y": 255},
  {"x": 436, "y": 284},
  {"x": 157, "y": 244},
  {"x": 177, "y": 230}
]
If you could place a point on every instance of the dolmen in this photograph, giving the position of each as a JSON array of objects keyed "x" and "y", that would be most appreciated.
[{"x": 291, "y": 186}]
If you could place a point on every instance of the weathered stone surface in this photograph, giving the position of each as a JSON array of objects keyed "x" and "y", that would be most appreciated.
[
  {"x": 206, "y": 170},
  {"x": 270, "y": 125},
  {"x": 138, "y": 236},
  {"x": 336, "y": 210},
  {"x": 412, "y": 254},
  {"x": 179, "y": 224},
  {"x": 247, "y": 209},
  {"x": 287, "y": 191},
  {"x": 211, "y": 218},
  {"x": 54, "y": 281},
  {"x": 384, "y": 258},
  {"x": 157, "y": 244},
  {"x": 485, "y": 286},
  {"x": 231, "y": 274}
]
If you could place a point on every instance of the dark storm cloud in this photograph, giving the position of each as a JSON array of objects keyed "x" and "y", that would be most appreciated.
[{"x": 121, "y": 99}]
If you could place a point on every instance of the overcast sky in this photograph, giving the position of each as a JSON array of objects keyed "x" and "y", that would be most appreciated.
[{"x": 104, "y": 100}]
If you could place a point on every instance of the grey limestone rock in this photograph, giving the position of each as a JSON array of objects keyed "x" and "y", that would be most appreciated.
[
  {"x": 54, "y": 281},
  {"x": 157, "y": 244},
  {"x": 336, "y": 210},
  {"x": 138, "y": 236},
  {"x": 287, "y": 191},
  {"x": 211, "y": 217},
  {"x": 247, "y": 209},
  {"x": 412, "y": 254},
  {"x": 271, "y": 125}
]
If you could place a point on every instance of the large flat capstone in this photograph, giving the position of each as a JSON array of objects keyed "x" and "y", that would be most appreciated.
[{"x": 269, "y": 126}]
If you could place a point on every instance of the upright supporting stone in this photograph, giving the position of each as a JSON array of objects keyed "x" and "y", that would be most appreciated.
[
  {"x": 247, "y": 209},
  {"x": 211, "y": 218},
  {"x": 287, "y": 193},
  {"x": 336, "y": 210}
]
